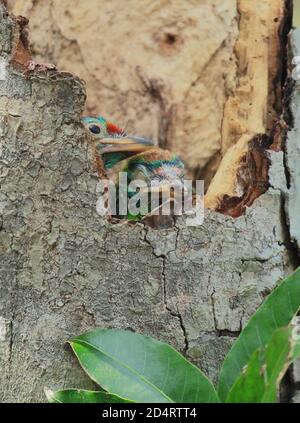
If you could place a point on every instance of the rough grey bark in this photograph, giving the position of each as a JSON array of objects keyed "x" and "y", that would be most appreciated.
[
  {"x": 64, "y": 269},
  {"x": 292, "y": 168}
]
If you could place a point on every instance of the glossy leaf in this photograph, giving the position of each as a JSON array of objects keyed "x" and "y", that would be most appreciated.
[
  {"x": 259, "y": 383},
  {"x": 277, "y": 311},
  {"x": 140, "y": 368},
  {"x": 71, "y": 396}
]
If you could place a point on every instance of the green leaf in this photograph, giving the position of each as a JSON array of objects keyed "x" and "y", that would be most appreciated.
[
  {"x": 277, "y": 311},
  {"x": 259, "y": 383},
  {"x": 139, "y": 367},
  {"x": 82, "y": 396}
]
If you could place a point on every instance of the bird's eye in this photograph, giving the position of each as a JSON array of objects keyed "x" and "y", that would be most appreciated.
[{"x": 95, "y": 129}]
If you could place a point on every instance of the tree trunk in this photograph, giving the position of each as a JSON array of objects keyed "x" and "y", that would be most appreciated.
[{"x": 63, "y": 268}]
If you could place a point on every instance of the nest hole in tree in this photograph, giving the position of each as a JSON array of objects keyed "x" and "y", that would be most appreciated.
[{"x": 237, "y": 172}]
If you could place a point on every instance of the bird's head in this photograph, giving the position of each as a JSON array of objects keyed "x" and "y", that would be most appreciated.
[{"x": 113, "y": 143}]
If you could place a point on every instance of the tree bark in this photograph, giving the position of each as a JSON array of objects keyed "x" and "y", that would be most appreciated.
[
  {"x": 205, "y": 72},
  {"x": 64, "y": 269}
]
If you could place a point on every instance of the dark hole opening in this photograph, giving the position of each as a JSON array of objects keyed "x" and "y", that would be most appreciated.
[{"x": 171, "y": 39}]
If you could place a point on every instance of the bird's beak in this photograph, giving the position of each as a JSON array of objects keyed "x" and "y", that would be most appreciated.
[{"x": 124, "y": 144}]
